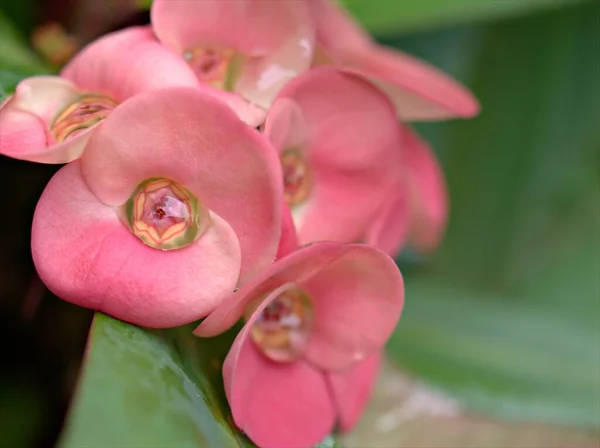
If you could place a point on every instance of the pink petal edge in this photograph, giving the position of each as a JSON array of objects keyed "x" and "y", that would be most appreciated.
[
  {"x": 295, "y": 267},
  {"x": 276, "y": 38},
  {"x": 279, "y": 405},
  {"x": 352, "y": 389},
  {"x": 87, "y": 256},
  {"x": 348, "y": 131},
  {"x": 196, "y": 140},
  {"x": 26, "y": 118},
  {"x": 427, "y": 191},
  {"x": 419, "y": 91},
  {"x": 357, "y": 302},
  {"x": 126, "y": 63},
  {"x": 389, "y": 230}
]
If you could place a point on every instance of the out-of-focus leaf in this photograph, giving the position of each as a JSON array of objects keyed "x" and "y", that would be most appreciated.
[
  {"x": 508, "y": 317},
  {"x": 14, "y": 52},
  {"x": 20, "y": 12},
  {"x": 388, "y": 17},
  {"x": 17, "y": 61},
  {"x": 152, "y": 388}
]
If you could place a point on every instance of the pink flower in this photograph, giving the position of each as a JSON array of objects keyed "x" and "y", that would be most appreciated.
[
  {"x": 351, "y": 389},
  {"x": 49, "y": 119},
  {"x": 338, "y": 140},
  {"x": 174, "y": 200},
  {"x": 248, "y": 49},
  {"x": 310, "y": 318},
  {"x": 416, "y": 207},
  {"x": 418, "y": 90}
]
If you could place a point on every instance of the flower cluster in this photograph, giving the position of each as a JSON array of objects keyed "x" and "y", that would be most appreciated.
[{"x": 242, "y": 160}]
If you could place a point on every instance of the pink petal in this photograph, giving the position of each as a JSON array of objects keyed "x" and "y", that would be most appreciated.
[
  {"x": 357, "y": 294},
  {"x": 22, "y": 134},
  {"x": 350, "y": 135},
  {"x": 194, "y": 139},
  {"x": 247, "y": 112},
  {"x": 427, "y": 190},
  {"x": 26, "y": 118},
  {"x": 85, "y": 255},
  {"x": 336, "y": 29},
  {"x": 350, "y": 124},
  {"x": 342, "y": 205},
  {"x": 285, "y": 126},
  {"x": 388, "y": 232},
  {"x": 276, "y": 404},
  {"x": 357, "y": 302},
  {"x": 289, "y": 239},
  {"x": 277, "y": 37},
  {"x": 419, "y": 91},
  {"x": 43, "y": 96},
  {"x": 126, "y": 63},
  {"x": 296, "y": 267},
  {"x": 352, "y": 389}
]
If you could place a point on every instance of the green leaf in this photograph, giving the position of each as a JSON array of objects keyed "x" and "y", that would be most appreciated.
[
  {"x": 17, "y": 60},
  {"x": 389, "y": 17},
  {"x": 22, "y": 13},
  {"x": 507, "y": 317},
  {"x": 14, "y": 52},
  {"x": 150, "y": 388},
  {"x": 144, "y": 387}
]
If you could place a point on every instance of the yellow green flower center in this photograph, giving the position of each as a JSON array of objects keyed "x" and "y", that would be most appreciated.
[
  {"x": 164, "y": 215},
  {"x": 297, "y": 179},
  {"x": 82, "y": 114},
  {"x": 282, "y": 329},
  {"x": 216, "y": 67}
]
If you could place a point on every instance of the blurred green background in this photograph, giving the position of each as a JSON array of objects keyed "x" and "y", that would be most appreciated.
[{"x": 504, "y": 319}]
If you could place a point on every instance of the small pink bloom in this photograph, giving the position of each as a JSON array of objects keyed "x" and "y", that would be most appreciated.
[
  {"x": 416, "y": 208},
  {"x": 337, "y": 137},
  {"x": 419, "y": 91},
  {"x": 248, "y": 49},
  {"x": 173, "y": 202},
  {"x": 311, "y": 318},
  {"x": 49, "y": 118}
]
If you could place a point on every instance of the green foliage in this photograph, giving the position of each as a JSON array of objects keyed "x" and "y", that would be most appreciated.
[
  {"x": 14, "y": 52},
  {"x": 17, "y": 60},
  {"x": 507, "y": 318},
  {"x": 21, "y": 13},
  {"x": 152, "y": 388},
  {"x": 392, "y": 16}
]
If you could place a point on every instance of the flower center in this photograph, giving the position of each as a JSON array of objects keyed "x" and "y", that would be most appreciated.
[
  {"x": 213, "y": 66},
  {"x": 281, "y": 330},
  {"x": 164, "y": 215},
  {"x": 297, "y": 181},
  {"x": 88, "y": 110}
]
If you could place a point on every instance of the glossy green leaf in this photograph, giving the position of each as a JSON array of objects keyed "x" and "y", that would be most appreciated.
[
  {"x": 389, "y": 17},
  {"x": 149, "y": 388},
  {"x": 507, "y": 317},
  {"x": 144, "y": 387}
]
